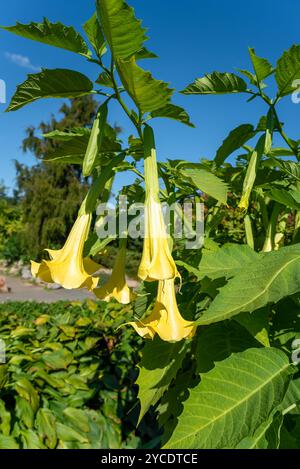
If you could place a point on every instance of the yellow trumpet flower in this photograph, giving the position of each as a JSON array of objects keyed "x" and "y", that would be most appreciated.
[
  {"x": 165, "y": 319},
  {"x": 116, "y": 287},
  {"x": 67, "y": 266},
  {"x": 157, "y": 262}
]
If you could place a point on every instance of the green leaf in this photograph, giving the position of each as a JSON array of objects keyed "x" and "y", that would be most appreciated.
[
  {"x": 45, "y": 424},
  {"x": 144, "y": 54},
  {"x": 95, "y": 141},
  {"x": 219, "y": 341},
  {"x": 217, "y": 83},
  {"x": 122, "y": 30},
  {"x": 256, "y": 324},
  {"x": 66, "y": 433},
  {"x": 8, "y": 442},
  {"x": 62, "y": 136},
  {"x": 288, "y": 70},
  {"x": 57, "y": 83},
  {"x": 77, "y": 418},
  {"x": 95, "y": 35},
  {"x": 24, "y": 411},
  {"x": 5, "y": 419},
  {"x": 275, "y": 276},
  {"x": 25, "y": 389},
  {"x": 267, "y": 436},
  {"x": 252, "y": 78},
  {"x": 291, "y": 401},
  {"x": 235, "y": 140},
  {"x": 158, "y": 367},
  {"x": 207, "y": 182},
  {"x": 289, "y": 198},
  {"x": 227, "y": 261},
  {"x": 53, "y": 34},
  {"x": 105, "y": 80},
  {"x": 148, "y": 94},
  {"x": 173, "y": 112},
  {"x": 289, "y": 167},
  {"x": 246, "y": 387},
  {"x": 30, "y": 440},
  {"x": 74, "y": 145},
  {"x": 281, "y": 152},
  {"x": 262, "y": 67},
  {"x": 58, "y": 360}
]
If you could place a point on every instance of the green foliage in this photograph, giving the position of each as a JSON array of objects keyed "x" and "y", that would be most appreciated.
[
  {"x": 11, "y": 227},
  {"x": 268, "y": 280},
  {"x": 148, "y": 94},
  {"x": 50, "y": 195},
  {"x": 122, "y": 30},
  {"x": 288, "y": 70},
  {"x": 54, "y": 34},
  {"x": 68, "y": 380},
  {"x": 239, "y": 392},
  {"x": 217, "y": 83},
  {"x": 232, "y": 384},
  {"x": 58, "y": 83}
]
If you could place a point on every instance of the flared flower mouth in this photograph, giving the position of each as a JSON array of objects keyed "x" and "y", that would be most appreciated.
[
  {"x": 165, "y": 319},
  {"x": 66, "y": 266},
  {"x": 116, "y": 287}
]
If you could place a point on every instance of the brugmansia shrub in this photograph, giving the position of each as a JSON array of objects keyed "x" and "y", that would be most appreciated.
[
  {"x": 68, "y": 378},
  {"x": 217, "y": 362}
]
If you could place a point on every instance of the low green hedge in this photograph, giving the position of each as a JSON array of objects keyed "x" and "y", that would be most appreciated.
[{"x": 68, "y": 377}]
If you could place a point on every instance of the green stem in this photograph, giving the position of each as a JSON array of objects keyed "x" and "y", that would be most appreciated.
[
  {"x": 271, "y": 230},
  {"x": 150, "y": 164},
  {"x": 249, "y": 231}
]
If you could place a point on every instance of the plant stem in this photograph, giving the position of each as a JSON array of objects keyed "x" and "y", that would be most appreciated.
[
  {"x": 249, "y": 231},
  {"x": 269, "y": 241}
]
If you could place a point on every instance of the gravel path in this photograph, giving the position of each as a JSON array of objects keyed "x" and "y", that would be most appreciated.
[
  {"x": 22, "y": 290},
  {"x": 25, "y": 291}
]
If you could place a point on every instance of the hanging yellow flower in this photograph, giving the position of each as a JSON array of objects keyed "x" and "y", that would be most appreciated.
[
  {"x": 116, "y": 287},
  {"x": 157, "y": 262},
  {"x": 67, "y": 266},
  {"x": 165, "y": 319}
]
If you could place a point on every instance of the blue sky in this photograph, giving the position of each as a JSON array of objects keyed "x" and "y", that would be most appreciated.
[{"x": 191, "y": 38}]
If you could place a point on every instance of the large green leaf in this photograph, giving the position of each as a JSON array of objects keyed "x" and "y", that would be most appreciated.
[
  {"x": 148, "y": 94},
  {"x": 227, "y": 261},
  {"x": 291, "y": 402},
  {"x": 45, "y": 423},
  {"x": 262, "y": 67},
  {"x": 217, "y": 83},
  {"x": 122, "y": 30},
  {"x": 217, "y": 342},
  {"x": 267, "y": 436},
  {"x": 207, "y": 182},
  {"x": 53, "y": 34},
  {"x": 289, "y": 167},
  {"x": 73, "y": 145},
  {"x": 288, "y": 70},
  {"x": 275, "y": 276},
  {"x": 171, "y": 111},
  {"x": 236, "y": 139},
  {"x": 158, "y": 367},
  {"x": 57, "y": 83},
  {"x": 290, "y": 198},
  {"x": 246, "y": 387},
  {"x": 256, "y": 324},
  {"x": 95, "y": 35}
]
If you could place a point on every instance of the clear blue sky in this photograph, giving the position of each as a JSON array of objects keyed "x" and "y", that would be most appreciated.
[{"x": 191, "y": 38}]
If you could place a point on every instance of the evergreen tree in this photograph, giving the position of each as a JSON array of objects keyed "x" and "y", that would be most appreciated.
[{"x": 50, "y": 194}]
